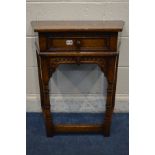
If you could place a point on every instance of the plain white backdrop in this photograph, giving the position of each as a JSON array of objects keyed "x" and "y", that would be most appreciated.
[{"x": 13, "y": 77}]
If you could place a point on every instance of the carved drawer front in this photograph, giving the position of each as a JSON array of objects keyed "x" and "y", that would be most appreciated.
[{"x": 78, "y": 42}]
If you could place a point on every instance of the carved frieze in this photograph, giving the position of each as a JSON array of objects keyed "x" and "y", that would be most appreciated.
[{"x": 55, "y": 61}]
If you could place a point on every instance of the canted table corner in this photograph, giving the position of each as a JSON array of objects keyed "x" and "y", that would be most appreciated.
[{"x": 77, "y": 42}]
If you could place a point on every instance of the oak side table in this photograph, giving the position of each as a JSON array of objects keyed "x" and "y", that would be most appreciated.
[{"x": 77, "y": 42}]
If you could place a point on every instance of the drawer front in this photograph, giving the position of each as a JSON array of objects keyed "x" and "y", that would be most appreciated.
[
  {"x": 89, "y": 42},
  {"x": 61, "y": 44}
]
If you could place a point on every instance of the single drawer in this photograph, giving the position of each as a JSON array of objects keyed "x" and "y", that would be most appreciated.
[{"x": 78, "y": 42}]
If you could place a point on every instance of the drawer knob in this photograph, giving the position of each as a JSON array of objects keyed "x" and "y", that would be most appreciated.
[{"x": 69, "y": 42}]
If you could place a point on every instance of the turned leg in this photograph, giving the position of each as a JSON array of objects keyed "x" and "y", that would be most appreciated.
[
  {"x": 109, "y": 110},
  {"x": 39, "y": 77},
  {"x": 47, "y": 112},
  {"x": 115, "y": 82},
  {"x": 44, "y": 76},
  {"x": 111, "y": 71}
]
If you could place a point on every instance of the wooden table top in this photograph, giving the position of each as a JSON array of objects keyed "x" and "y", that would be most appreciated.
[{"x": 56, "y": 26}]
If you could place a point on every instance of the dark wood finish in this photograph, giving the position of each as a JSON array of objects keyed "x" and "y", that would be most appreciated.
[
  {"x": 75, "y": 42},
  {"x": 78, "y": 128}
]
